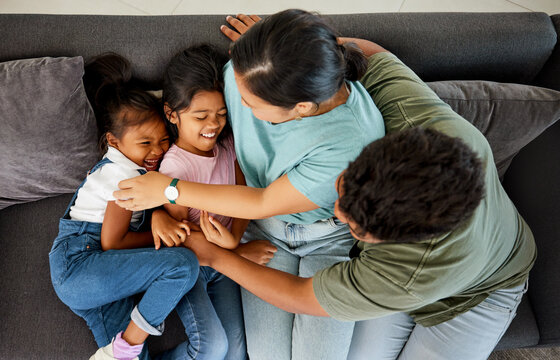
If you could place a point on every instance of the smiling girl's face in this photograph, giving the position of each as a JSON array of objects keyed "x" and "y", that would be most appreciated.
[
  {"x": 201, "y": 123},
  {"x": 144, "y": 144}
]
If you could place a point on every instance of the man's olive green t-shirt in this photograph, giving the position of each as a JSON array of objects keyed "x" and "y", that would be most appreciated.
[{"x": 436, "y": 279}]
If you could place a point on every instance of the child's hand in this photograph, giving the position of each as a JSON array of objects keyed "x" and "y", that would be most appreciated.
[
  {"x": 167, "y": 229},
  {"x": 215, "y": 232},
  {"x": 241, "y": 23},
  {"x": 258, "y": 251}
]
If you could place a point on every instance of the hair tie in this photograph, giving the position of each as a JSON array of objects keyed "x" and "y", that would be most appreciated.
[{"x": 342, "y": 48}]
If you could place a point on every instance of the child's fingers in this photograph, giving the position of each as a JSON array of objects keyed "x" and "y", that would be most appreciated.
[
  {"x": 176, "y": 240},
  {"x": 182, "y": 235},
  {"x": 157, "y": 240},
  {"x": 168, "y": 241},
  {"x": 185, "y": 227},
  {"x": 218, "y": 225},
  {"x": 204, "y": 224}
]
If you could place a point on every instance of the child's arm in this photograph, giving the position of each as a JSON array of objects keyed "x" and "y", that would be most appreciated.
[
  {"x": 177, "y": 212},
  {"x": 114, "y": 231},
  {"x": 220, "y": 235}
]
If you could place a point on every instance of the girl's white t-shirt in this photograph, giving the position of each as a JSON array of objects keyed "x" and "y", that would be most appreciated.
[
  {"x": 92, "y": 198},
  {"x": 219, "y": 169}
]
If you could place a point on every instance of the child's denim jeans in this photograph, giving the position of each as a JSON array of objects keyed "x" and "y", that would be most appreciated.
[
  {"x": 213, "y": 318},
  {"x": 100, "y": 286}
]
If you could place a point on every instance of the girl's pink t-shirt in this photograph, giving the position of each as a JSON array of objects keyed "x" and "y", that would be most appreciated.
[{"x": 219, "y": 169}]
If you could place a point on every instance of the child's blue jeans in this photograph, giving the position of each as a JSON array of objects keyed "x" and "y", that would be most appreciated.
[
  {"x": 213, "y": 318},
  {"x": 98, "y": 285}
]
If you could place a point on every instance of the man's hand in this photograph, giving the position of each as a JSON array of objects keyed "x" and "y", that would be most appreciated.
[
  {"x": 202, "y": 248},
  {"x": 168, "y": 230},
  {"x": 142, "y": 192},
  {"x": 241, "y": 23}
]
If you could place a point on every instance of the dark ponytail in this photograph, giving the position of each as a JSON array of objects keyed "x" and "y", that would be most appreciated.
[
  {"x": 117, "y": 98},
  {"x": 293, "y": 56},
  {"x": 356, "y": 62}
]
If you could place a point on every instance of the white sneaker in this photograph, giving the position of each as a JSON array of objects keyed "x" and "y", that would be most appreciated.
[{"x": 105, "y": 353}]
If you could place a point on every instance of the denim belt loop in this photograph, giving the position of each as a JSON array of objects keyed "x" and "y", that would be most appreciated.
[{"x": 83, "y": 227}]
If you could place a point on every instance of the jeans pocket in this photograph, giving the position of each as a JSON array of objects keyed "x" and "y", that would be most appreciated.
[
  {"x": 336, "y": 223},
  {"x": 505, "y": 300},
  {"x": 58, "y": 263},
  {"x": 495, "y": 307}
]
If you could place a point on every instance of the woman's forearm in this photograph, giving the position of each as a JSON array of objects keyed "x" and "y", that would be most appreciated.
[
  {"x": 280, "y": 197},
  {"x": 245, "y": 202},
  {"x": 229, "y": 200}
]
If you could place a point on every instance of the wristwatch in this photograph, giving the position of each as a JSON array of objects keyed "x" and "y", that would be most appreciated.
[{"x": 171, "y": 192}]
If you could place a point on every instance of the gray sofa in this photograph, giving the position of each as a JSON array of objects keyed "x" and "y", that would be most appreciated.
[{"x": 519, "y": 48}]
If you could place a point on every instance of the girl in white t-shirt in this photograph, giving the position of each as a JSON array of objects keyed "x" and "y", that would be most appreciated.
[
  {"x": 104, "y": 255},
  {"x": 203, "y": 152}
]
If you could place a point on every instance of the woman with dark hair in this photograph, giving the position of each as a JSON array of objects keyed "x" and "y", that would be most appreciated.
[{"x": 299, "y": 116}]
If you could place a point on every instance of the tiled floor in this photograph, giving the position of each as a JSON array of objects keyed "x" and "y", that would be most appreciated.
[{"x": 182, "y": 7}]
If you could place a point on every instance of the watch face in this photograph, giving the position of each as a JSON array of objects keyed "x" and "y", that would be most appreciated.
[{"x": 171, "y": 193}]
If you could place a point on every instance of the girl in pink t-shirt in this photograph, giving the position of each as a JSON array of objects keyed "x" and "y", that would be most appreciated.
[{"x": 204, "y": 152}]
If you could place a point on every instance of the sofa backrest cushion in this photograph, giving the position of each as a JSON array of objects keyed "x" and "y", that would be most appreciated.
[
  {"x": 506, "y": 47},
  {"x": 47, "y": 127},
  {"x": 509, "y": 115}
]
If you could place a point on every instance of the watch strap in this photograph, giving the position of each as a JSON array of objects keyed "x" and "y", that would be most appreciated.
[{"x": 174, "y": 184}]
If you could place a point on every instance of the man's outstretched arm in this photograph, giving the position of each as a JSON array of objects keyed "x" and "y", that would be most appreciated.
[{"x": 283, "y": 290}]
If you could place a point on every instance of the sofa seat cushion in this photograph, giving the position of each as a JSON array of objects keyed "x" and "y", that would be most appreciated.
[{"x": 47, "y": 126}]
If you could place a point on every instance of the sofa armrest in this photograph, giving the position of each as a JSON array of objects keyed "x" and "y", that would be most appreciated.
[
  {"x": 532, "y": 183},
  {"x": 550, "y": 74}
]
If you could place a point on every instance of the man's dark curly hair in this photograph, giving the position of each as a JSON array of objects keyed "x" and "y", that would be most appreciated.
[{"x": 412, "y": 185}]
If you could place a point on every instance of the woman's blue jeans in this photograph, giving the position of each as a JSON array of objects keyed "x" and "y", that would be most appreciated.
[
  {"x": 99, "y": 285},
  {"x": 302, "y": 250}
]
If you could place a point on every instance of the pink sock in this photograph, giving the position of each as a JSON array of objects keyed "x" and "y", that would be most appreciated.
[{"x": 123, "y": 350}]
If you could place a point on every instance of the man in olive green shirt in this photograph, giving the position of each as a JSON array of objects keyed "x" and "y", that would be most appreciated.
[
  {"x": 427, "y": 280},
  {"x": 442, "y": 256}
]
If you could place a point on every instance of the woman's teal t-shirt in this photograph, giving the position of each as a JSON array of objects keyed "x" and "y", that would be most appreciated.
[{"x": 312, "y": 152}]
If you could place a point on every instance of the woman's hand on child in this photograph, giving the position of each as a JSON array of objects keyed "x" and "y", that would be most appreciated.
[
  {"x": 215, "y": 232},
  {"x": 258, "y": 251},
  {"x": 241, "y": 23},
  {"x": 142, "y": 192},
  {"x": 168, "y": 230}
]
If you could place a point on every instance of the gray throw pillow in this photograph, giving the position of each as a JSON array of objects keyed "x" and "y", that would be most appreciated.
[
  {"x": 509, "y": 115},
  {"x": 47, "y": 129}
]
